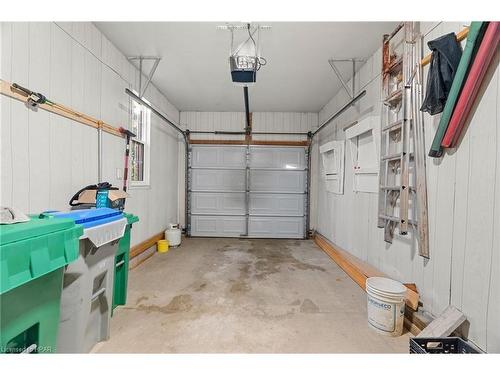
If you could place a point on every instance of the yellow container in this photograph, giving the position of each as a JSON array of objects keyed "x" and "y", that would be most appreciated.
[{"x": 162, "y": 246}]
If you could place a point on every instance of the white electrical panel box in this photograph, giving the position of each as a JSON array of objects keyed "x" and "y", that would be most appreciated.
[
  {"x": 332, "y": 155},
  {"x": 364, "y": 145}
]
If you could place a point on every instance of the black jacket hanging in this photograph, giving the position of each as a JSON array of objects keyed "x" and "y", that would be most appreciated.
[{"x": 446, "y": 54}]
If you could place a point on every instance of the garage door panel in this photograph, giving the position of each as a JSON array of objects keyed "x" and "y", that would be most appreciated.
[
  {"x": 277, "y": 204},
  {"x": 218, "y": 180},
  {"x": 218, "y": 203},
  {"x": 218, "y": 226},
  {"x": 276, "y": 227},
  {"x": 277, "y": 158},
  {"x": 218, "y": 157},
  {"x": 278, "y": 181}
]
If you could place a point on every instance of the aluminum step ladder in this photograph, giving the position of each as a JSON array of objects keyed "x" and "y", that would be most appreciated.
[{"x": 402, "y": 182}]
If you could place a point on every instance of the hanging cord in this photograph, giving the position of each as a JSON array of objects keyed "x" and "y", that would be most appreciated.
[{"x": 259, "y": 61}]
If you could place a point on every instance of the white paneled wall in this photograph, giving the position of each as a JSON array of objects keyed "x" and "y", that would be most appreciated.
[
  {"x": 261, "y": 122},
  {"x": 46, "y": 158},
  {"x": 283, "y": 122},
  {"x": 463, "y": 198},
  {"x": 210, "y": 121}
]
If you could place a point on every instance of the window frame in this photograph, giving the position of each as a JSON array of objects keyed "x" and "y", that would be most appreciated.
[
  {"x": 333, "y": 158},
  {"x": 361, "y": 169},
  {"x": 145, "y": 140}
]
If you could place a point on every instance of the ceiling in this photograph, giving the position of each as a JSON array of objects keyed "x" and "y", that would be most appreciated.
[{"x": 194, "y": 70}]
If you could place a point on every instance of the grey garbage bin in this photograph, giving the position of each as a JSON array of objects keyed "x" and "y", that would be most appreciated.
[{"x": 87, "y": 296}]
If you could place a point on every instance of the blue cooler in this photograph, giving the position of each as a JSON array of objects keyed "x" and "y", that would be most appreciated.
[{"x": 87, "y": 295}]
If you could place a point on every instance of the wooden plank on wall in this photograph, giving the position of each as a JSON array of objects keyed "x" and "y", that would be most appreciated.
[
  {"x": 358, "y": 270},
  {"x": 60, "y": 110},
  {"x": 146, "y": 244}
]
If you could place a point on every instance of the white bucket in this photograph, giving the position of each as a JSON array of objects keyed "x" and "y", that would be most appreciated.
[
  {"x": 173, "y": 235},
  {"x": 386, "y": 305}
]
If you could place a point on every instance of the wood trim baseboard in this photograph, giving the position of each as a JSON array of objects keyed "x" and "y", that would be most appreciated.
[
  {"x": 142, "y": 260},
  {"x": 146, "y": 244},
  {"x": 357, "y": 269},
  {"x": 413, "y": 322}
]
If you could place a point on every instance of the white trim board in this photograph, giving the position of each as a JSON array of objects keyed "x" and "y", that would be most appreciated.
[
  {"x": 364, "y": 145},
  {"x": 333, "y": 157}
]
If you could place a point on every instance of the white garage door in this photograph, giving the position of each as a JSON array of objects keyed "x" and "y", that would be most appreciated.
[{"x": 255, "y": 191}]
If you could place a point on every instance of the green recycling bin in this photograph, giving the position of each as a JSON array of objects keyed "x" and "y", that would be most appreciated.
[
  {"x": 121, "y": 264},
  {"x": 33, "y": 255}
]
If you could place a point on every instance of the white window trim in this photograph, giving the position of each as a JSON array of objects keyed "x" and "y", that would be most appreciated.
[
  {"x": 333, "y": 172},
  {"x": 146, "y": 182}
]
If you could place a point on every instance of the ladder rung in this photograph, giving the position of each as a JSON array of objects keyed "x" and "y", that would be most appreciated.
[
  {"x": 391, "y": 157},
  {"x": 390, "y": 187},
  {"x": 396, "y": 219},
  {"x": 394, "y": 97},
  {"x": 397, "y": 63},
  {"x": 394, "y": 188},
  {"x": 394, "y": 125}
]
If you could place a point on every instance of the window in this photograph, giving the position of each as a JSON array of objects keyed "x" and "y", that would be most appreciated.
[{"x": 139, "y": 145}]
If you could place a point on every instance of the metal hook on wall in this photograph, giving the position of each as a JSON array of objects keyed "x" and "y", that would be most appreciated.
[
  {"x": 351, "y": 92},
  {"x": 156, "y": 61}
]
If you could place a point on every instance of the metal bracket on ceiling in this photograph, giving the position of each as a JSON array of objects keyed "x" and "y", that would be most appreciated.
[
  {"x": 156, "y": 61},
  {"x": 351, "y": 92},
  {"x": 241, "y": 27}
]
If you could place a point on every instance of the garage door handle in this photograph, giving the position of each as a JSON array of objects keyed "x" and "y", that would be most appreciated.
[
  {"x": 97, "y": 294},
  {"x": 119, "y": 263}
]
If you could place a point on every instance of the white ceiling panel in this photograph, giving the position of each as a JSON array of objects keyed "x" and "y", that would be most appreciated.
[{"x": 194, "y": 71}]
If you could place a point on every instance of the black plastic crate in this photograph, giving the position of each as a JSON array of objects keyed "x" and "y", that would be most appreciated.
[{"x": 441, "y": 345}]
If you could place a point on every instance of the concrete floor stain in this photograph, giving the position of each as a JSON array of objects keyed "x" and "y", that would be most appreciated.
[
  {"x": 240, "y": 286},
  {"x": 263, "y": 314},
  {"x": 309, "y": 307},
  {"x": 272, "y": 255},
  {"x": 180, "y": 303},
  {"x": 140, "y": 299},
  {"x": 200, "y": 286}
]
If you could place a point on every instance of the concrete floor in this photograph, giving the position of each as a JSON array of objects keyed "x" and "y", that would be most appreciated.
[{"x": 244, "y": 296}]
